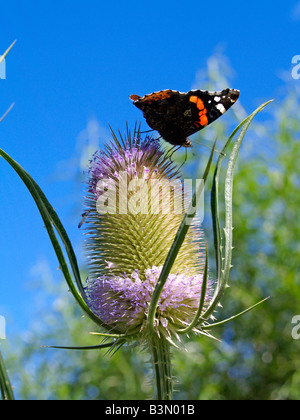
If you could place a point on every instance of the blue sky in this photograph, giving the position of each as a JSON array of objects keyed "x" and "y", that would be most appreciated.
[{"x": 77, "y": 61}]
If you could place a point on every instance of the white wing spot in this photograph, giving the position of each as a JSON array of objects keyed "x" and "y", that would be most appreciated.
[{"x": 221, "y": 108}]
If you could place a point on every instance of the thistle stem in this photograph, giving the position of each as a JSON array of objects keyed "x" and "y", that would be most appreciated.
[
  {"x": 161, "y": 358},
  {"x": 6, "y": 390}
]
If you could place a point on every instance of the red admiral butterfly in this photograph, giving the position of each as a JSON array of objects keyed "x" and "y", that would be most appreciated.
[{"x": 176, "y": 115}]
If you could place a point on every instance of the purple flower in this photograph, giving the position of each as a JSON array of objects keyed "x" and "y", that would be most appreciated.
[{"x": 122, "y": 301}]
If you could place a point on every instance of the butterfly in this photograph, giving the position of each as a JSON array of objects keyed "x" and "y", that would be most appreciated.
[{"x": 177, "y": 115}]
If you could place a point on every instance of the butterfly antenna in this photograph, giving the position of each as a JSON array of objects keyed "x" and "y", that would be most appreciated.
[
  {"x": 84, "y": 216},
  {"x": 169, "y": 151},
  {"x": 173, "y": 151}
]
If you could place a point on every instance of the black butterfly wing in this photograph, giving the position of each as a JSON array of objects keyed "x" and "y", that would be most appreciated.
[
  {"x": 176, "y": 115},
  {"x": 167, "y": 112},
  {"x": 208, "y": 106}
]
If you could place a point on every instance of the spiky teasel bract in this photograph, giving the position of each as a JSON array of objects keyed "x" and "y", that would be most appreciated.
[{"x": 130, "y": 234}]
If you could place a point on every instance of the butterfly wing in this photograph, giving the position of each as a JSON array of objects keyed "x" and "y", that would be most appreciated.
[
  {"x": 208, "y": 106},
  {"x": 167, "y": 112},
  {"x": 177, "y": 115}
]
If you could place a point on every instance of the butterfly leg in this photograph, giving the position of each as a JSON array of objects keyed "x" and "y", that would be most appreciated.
[
  {"x": 185, "y": 159},
  {"x": 173, "y": 150},
  {"x": 147, "y": 131}
]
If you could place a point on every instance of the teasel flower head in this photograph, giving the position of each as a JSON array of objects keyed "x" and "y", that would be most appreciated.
[
  {"x": 134, "y": 207},
  {"x": 148, "y": 277}
]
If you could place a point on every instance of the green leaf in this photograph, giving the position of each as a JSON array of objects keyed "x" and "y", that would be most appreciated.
[
  {"x": 202, "y": 299},
  {"x": 5, "y": 385},
  {"x": 223, "y": 265},
  {"x": 5, "y": 114},
  {"x": 2, "y": 57},
  {"x": 179, "y": 238},
  {"x": 217, "y": 324},
  {"x": 51, "y": 219},
  {"x": 113, "y": 335},
  {"x": 97, "y": 347}
]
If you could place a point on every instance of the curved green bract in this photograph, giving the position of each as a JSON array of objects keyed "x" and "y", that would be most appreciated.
[
  {"x": 223, "y": 261},
  {"x": 6, "y": 390},
  {"x": 51, "y": 220}
]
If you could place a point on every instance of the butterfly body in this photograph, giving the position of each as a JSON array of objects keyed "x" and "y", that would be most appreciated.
[{"x": 177, "y": 115}]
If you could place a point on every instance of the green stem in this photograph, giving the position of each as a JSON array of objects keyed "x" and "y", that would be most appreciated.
[
  {"x": 5, "y": 386},
  {"x": 161, "y": 359}
]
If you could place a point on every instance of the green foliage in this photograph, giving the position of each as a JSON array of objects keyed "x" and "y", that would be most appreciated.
[{"x": 6, "y": 390}]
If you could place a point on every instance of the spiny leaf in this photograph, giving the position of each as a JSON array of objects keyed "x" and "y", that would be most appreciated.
[
  {"x": 217, "y": 324},
  {"x": 224, "y": 264},
  {"x": 5, "y": 114},
  {"x": 96, "y": 347},
  {"x": 50, "y": 218},
  {"x": 5, "y": 385},
  {"x": 2, "y": 57},
  {"x": 202, "y": 299}
]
